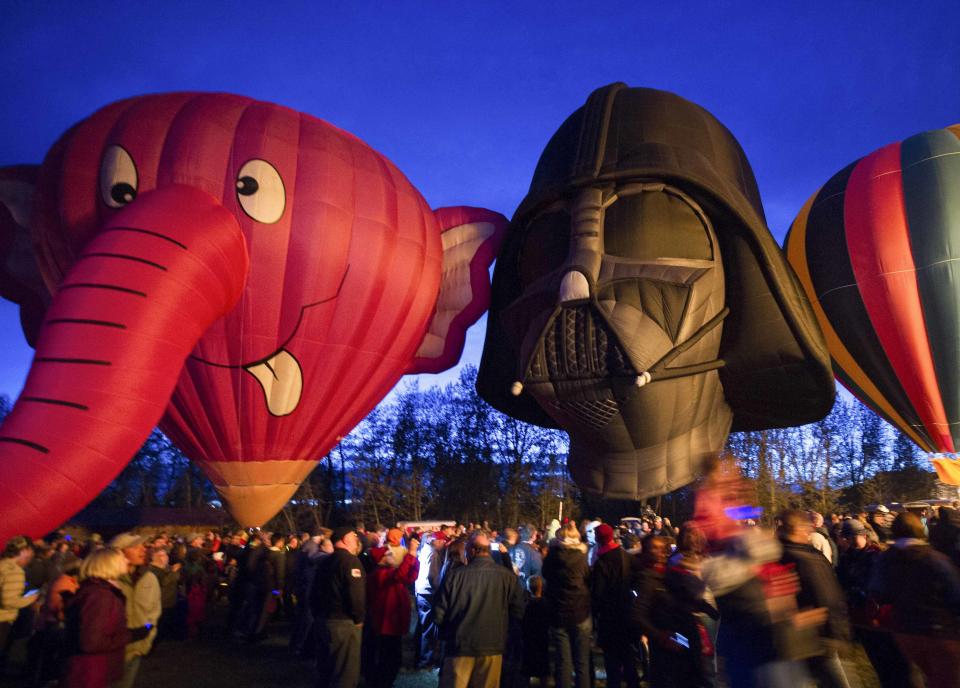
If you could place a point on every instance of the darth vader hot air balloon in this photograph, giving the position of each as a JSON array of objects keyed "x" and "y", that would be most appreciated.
[
  {"x": 260, "y": 275},
  {"x": 640, "y": 302},
  {"x": 877, "y": 249}
]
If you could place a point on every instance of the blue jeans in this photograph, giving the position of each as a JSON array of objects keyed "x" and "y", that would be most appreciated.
[{"x": 571, "y": 653}]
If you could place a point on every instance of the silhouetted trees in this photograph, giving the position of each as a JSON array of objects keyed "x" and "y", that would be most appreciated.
[{"x": 444, "y": 453}]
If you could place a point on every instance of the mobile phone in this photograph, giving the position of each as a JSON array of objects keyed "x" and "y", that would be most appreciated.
[
  {"x": 31, "y": 592},
  {"x": 681, "y": 640},
  {"x": 148, "y": 625}
]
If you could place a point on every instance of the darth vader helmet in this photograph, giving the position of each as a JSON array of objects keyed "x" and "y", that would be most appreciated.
[{"x": 641, "y": 304}]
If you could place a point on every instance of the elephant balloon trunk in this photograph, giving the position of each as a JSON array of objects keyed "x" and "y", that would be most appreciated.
[{"x": 125, "y": 317}]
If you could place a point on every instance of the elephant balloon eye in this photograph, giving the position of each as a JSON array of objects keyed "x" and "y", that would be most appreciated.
[
  {"x": 247, "y": 186},
  {"x": 118, "y": 177},
  {"x": 260, "y": 191}
]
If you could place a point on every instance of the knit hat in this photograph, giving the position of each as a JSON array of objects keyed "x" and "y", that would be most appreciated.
[
  {"x": 852, "y": 527},
  {"x": 394, "y": 535},
  {"x": 341, "y": 532},
  {"x": 604, "y": 533}
]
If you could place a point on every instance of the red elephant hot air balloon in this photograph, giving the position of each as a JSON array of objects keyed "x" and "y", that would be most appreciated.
[
  {"x": 877, "y": 249},
  {"x": 253, "y": 274}
]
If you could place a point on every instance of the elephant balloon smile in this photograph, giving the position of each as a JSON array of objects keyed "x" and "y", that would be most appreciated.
[{"x": 252, "y": 274}]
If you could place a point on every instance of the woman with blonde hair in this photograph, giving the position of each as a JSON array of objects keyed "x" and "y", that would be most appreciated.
[{"x": 96, "y": 623}]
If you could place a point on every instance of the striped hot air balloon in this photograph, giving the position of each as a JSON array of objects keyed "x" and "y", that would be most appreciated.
[{"x": 877, "y": 249}]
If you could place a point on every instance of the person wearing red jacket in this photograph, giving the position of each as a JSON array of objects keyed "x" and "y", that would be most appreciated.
[
  {"x": 96, "y": 624},
  {"x": 388, "y": 595}
]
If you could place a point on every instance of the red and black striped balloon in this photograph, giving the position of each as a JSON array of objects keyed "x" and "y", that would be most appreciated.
[{"x": 877, "y": 249}]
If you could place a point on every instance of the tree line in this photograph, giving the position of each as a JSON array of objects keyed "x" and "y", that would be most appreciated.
[{"x": 444, "y": 453}]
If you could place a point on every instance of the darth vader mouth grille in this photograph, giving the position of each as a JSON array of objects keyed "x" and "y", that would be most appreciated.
[
  {"x": 596, "y": 414},
  {"x": 578, "y": 345}
]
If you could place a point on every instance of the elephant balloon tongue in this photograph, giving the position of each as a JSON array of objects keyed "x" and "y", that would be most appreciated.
[{"x": 281, "y": 379}]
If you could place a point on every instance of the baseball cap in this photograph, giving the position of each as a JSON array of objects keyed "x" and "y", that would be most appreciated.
[{"x": 125, "y": 540}]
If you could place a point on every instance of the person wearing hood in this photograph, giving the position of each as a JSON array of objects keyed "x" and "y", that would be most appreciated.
[
  {"x": 613, "y": 584},
  {"x": 394, "y": 542},
  {"x": 923, "y": 587},
  {"x": 552, "y": 529},
  {"x": 566, "y": 574},
  {"x": 388, "y": 600}
]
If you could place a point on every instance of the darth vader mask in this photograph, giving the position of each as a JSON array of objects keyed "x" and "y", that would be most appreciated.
[{"x": 628, "y": 288}]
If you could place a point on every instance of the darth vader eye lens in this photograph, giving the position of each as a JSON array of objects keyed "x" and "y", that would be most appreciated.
[
  {"x": 118, "y": 177},
  {"x": 260, "y": 191},
  {"x": 546, "y": 244},
  {"x": 655, "y": 224}
]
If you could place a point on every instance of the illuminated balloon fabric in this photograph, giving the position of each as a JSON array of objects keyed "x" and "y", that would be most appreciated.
[
  {"x": 877, "y": 251},
  {"x": 640, "y": 302},
  {"x": 948, "y": 470},
  {"x": 143, "y": 218}
]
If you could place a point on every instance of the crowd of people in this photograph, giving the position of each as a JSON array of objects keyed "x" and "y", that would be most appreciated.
[{"x": 718, "y": 601}]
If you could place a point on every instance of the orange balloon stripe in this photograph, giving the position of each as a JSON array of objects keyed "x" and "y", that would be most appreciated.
[
  {"x": 878, "y": 242},
  {"x": 797, "y": 255}
]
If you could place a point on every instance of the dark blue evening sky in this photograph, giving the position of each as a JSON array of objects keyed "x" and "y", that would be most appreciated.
[{"x": 463, "y": 96}]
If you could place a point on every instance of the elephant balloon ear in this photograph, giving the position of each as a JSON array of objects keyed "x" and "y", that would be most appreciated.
[
  {"x": 20, "y": 279},
  {"x": 471, "y": 239}
]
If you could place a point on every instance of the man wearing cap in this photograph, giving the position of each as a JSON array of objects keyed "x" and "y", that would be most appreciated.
[
  {"x": 472, "y": 611},
  {"x": 142, "y": 590},
  {"x": 338, "y": 600}
]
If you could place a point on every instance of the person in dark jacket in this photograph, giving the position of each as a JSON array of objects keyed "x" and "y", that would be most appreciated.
[
  {"x": 96, "y": 633},
  {"x": 858, "y": 557},
  {"x": 271, "y": 576},
  {"x": 923, "y": 587},
  {"x": 566, "y": 575},
  {"x": 536, "y": 634},
  {"x": 676, "y": 641},
  {"x": 818, "y": 588},
  {"x": 945, "y": 534},
  {"x": 472, "y": 612},
  {"x": 338, "y": 600},
  {"x": 613, "y": 584}
]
